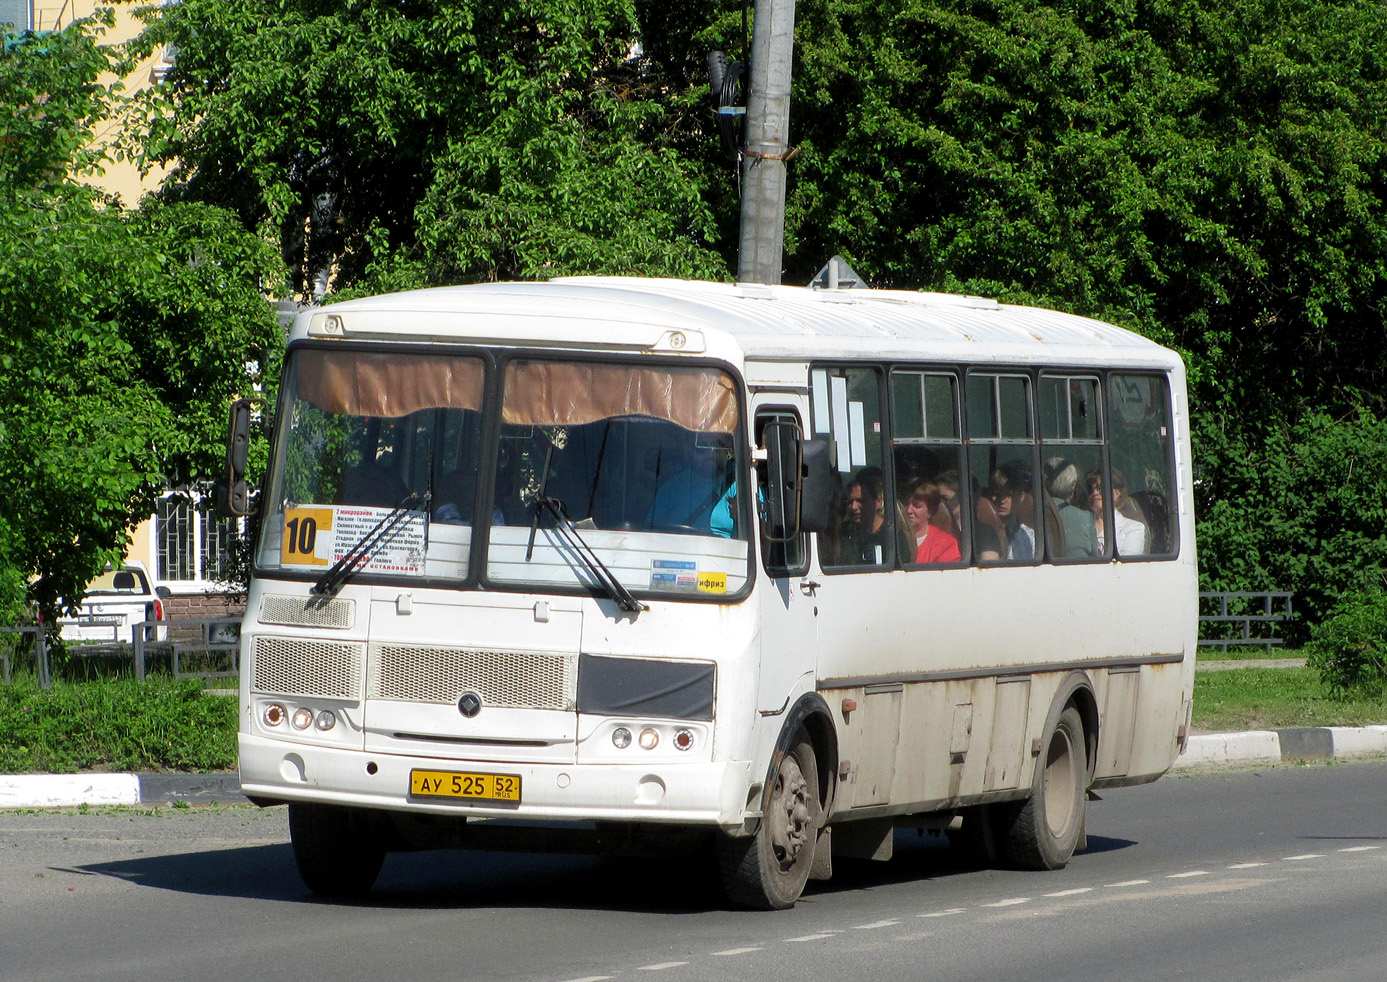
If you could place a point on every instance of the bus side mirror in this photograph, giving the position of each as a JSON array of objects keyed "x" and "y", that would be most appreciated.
[
  {"x": 818, "y": 486},
  {"x": 232, "y": 496}
]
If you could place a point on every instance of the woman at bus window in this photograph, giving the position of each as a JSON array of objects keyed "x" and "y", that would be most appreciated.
[
  {"x": 1011, "y": 497},
  {"x": 1129, "y": 530},
  {"x": 934, "y": 544},
  {"x": 866, "y": 535}
]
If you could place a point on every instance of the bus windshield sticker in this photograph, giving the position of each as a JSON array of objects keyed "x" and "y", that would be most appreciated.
[
  {"x": 321, "y": 536},
  {"x": 712, "y": 582},
  {"x": 674, "y": 574}
]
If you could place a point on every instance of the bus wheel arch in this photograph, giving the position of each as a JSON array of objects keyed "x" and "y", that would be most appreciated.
[
  {"x": 1045, "y": 830},
  {"x": 769, "y": 869}
]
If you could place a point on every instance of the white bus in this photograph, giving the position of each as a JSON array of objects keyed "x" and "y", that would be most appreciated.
[{"x": 773, "y": 569}]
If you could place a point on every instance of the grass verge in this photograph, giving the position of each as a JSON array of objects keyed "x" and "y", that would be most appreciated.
[
  {"x": 1268, "y": 698},
  {"x": 118, "y": 724}
]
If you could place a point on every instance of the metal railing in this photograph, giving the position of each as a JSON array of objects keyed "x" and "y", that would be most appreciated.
[
  {"x": 193, "y": 647},
  {"x": 1243, "y": 619},
  {"x": 40, "y": 652}
]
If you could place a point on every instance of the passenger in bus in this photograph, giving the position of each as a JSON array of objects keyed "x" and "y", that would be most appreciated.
[
  {"x": 952, "y": 505},
  {"x": 691, "y": 493},
  {"x": 989, "y": 540},
  {"x": 934, "y": 544},
  {"x": 866, "y": 534},
  {"x": 1128, "y": 526},
  {"x": 1062, "y": 481},
  {"x": 1011, "y": 497}
]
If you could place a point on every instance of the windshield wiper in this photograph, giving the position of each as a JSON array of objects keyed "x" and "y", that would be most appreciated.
[
  {"x": 568, "y": 531},
  {"x": 366, "y": 547}
]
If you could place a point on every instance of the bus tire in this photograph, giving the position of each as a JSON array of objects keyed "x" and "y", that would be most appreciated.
[
  {"x": 768, "y": 870},
  {"x": 338, "y": 852},
  {"x": 1047, "y": 827}
]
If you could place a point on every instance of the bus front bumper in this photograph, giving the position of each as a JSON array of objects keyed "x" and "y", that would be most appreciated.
[{"x": 663, "y": 792}]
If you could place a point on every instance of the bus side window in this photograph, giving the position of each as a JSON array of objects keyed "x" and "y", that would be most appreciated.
[
  {"x": 1009, "y": 506},
  {"x": 847, "y": 411},
  {"x": 782, "y": 556},
  {"x": 926, "y": 450},
  {"x": 1071, "y": 434},
  {"x": 1142, "y": 466}
]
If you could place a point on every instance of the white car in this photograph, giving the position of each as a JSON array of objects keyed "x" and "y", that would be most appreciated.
[{"x": 117, "y": 600}]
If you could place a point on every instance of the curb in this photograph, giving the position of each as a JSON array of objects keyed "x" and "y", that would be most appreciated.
[
  {"x": 1291, "y": 744},
  {"x": 69, "y": 790},
  {"x": 1204, "y": 750}
]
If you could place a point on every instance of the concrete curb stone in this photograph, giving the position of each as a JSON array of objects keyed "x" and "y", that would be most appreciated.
[
  {"x": 1204, "y": 750},
  {"x": 1289, "y": 744}
]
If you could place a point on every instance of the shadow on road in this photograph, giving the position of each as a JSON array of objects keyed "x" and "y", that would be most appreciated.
[{"x": 461, "y": 879}]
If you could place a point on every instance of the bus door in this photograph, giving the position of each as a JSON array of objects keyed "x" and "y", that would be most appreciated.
[{"x": 788, "y": 604}]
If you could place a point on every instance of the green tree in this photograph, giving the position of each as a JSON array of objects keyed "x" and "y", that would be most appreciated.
[
  {"x": 127, "y": 331},
  {"x": 402, "y": 143}
]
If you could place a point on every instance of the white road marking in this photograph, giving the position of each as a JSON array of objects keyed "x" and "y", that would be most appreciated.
[
  {"x": 1359, "y": 848},
  {"x": 810, "y": 937},
  {"x": 1011, "y": 902},
  {"x": 660, "y": 966},
  {"x": 945, "y": 913},
  {"x": 874, "y": 925},
  {"x": 1193, "y": 872},
  {"x": 1070, "y": 893},
  {"x": 1308, "y": 855},
  {"x": 1247, "y": 865},
  {"x": 591, "y": 978},
  {"x": 1130, "y": 883},
  {"x": 739, "y": 951}
]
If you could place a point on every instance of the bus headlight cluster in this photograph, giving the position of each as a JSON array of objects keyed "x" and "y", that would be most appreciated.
[
  {"x": 650, "y": 737},
  {"x": 275, "y": 716}
]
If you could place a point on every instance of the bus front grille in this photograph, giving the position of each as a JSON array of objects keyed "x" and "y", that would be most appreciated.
[
  {"x": 299, "y": 667},
  {"x": 307, "y": 611},
  {"x": 509, "y": 679}
]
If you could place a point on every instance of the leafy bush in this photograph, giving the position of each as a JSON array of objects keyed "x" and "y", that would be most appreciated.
[
  {"x": 115, "y": 724},
  {"x": 1349, "y": 649},
  {"x": 1293, "y": 506}
]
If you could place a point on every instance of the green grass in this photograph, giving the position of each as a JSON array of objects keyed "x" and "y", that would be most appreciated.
[
  {"x": 1268, "y": 698},
  {"x": 1248, "y": 653},
  {"x": 117, "y": 724}
]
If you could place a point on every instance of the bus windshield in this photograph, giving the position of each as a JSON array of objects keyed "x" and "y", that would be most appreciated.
[{"x": 602, "y": 472}]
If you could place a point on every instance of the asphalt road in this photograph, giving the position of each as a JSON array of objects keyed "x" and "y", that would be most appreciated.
[{"x": 1260, "y": 875}]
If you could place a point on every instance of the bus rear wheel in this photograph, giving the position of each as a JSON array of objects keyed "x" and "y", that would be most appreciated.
[
  {"x": 768, "y": 871},
  {"x": 1047, "y": 828},
  {"x": 337, "y": 850}
]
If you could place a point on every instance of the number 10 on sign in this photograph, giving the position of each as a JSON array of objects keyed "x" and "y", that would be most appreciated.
[{"x": 307, "y": 537}]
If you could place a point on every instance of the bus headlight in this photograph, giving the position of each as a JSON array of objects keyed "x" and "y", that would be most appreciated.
[
  {"x": 326, "y": 720},
  {"x": 650, "y": 738},
  {"x": 303, "y": 718},
  {"x": 683, "y": 739},
  {"x": 273, "y": 715},
  {"x": 621, "y": 738}
]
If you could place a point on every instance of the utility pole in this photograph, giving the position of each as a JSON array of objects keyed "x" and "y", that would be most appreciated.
[{"x": 766, "y": 146}]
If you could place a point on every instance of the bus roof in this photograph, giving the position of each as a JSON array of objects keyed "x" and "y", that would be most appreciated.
[{"x": 760, "y": 321}]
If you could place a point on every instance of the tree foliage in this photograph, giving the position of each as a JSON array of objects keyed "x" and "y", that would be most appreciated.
[
  {"x": 1211, "y": 174},
  {"x": 126, "y": 331},
  {"x": 400, "y": 143}
]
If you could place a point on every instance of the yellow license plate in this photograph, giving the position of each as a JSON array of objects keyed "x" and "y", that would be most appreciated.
[{"x": 476, "y": 787}]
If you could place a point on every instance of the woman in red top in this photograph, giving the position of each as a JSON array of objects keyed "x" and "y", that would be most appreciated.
[{"x": 933, "y": 544}]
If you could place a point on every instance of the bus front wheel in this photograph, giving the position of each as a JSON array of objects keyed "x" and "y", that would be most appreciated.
[
  {"x": 337, "y": 850},
  {"x": 768, "y": 871},
  {"x": 1046, "y": 830}
]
